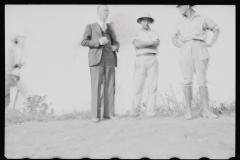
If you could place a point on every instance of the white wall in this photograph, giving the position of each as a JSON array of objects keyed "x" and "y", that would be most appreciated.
[{"x": 57, "y": 64}]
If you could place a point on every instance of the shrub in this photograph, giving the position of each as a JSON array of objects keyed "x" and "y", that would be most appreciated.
[{"x": 36, "y": 105}]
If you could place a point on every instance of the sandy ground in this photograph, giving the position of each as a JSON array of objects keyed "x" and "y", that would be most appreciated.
[{"x": 152, "y": 138}]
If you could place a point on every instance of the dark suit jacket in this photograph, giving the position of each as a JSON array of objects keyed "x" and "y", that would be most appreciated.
[{"x": 91, "y": 37}]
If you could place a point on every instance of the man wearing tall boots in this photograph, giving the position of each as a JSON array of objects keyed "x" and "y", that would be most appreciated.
[
  {"x": 102, "y": 43},
  {"x": 190, "y": 35}
]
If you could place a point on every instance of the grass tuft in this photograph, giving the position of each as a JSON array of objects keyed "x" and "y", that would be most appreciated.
[
  {"x": 17, "y": 117},
  {"x": 171, "y": 107}
]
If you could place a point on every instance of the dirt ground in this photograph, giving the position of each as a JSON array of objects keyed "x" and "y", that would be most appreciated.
[{"x": 152, "y": 138}]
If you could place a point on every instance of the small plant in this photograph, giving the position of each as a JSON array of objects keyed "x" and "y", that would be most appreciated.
[{"x": 36, "y": 105}]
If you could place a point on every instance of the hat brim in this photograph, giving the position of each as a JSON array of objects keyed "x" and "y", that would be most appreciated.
[
  {"x": 139, "y": 19},
  {"x": 185, "y": 4}
]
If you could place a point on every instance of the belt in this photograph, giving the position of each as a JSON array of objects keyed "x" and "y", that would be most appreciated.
[
  {"x": 194, "y": 40},
  {"x": 147, "y": 54},
  {"x": 198, "y": 40}
]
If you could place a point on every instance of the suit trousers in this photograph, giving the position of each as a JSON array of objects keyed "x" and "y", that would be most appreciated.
[
  {"x": 194, "y": 59},
  {"x": 102, "y": 75},
  {"x": 146, "y": 67}
]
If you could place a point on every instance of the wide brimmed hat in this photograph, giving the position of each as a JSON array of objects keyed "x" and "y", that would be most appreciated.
[{"x": 145, "y": 15}]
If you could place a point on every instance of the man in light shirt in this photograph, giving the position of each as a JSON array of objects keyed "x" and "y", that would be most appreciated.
[
  {"x": 146, "y": 44},
  {"x": 14, "y": 60},
  {"x": 190, "y": 35},
  {"x": 102, "y": 43}
]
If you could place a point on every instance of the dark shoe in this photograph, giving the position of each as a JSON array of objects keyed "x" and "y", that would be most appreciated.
[{"x": 95, "y": 120}]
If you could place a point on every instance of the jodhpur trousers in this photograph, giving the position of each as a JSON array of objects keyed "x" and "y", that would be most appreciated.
[{"x": 194, "y": 59}]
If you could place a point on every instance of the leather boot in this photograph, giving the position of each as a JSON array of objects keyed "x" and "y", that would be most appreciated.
[
  {"x": 205, "y": 102},
  {"x": 188, "y": 100}
]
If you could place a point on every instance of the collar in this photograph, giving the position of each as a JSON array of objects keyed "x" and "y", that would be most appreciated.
[
  {"x": 194, "y": 15},
  {"x": 149, "y": 29},
  {"x": 101, "y": 23}
]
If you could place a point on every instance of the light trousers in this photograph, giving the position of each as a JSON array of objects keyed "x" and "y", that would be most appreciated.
[
  {"x": 146, "y": 68},
  {"x": 194, "y": 59}
]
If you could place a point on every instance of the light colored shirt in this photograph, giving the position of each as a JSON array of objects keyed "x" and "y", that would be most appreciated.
[
  {"x": 196, "y": 28},
  {"x": 145, "y": 36},
  {"x": 18, "y": 55},
  {"x": 13, "y": 56},
  {"x": 101, "y": 25},
  {"x": 9, "y": 60}
]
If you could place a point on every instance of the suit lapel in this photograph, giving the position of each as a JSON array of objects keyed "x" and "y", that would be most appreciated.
[{"x": 97, "y": 27}]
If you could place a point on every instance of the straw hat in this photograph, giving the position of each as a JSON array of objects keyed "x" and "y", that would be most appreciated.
[{"x": 145, "y": 15}]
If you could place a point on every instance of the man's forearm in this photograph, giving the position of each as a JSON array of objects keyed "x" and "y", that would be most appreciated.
[
  {"x": 215, "y": 37},
  {"x": 87, "y": 41},
  {"x": 90, "y": 43},
  {"x": 140, "y": 44},
  {"x": 174, "y": 40}
]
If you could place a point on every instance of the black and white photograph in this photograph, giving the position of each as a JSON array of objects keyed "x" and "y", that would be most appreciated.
[{"x": 126, "y": 81}]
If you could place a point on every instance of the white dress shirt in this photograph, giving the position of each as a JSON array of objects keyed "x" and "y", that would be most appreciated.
[{"x": 101, "y": 25}]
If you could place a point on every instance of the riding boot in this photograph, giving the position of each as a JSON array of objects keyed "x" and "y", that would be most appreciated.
[
  {"x": 188, "y": 100},
  {"x": 205, "y": 102}
]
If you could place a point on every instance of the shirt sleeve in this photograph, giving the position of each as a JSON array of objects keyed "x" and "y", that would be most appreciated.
[
  {"x": 135, "y": 37},
  {"x": 209, "y": 24},
  {"x": 176, "y": 31},
  {"x": 9, "y": 62},
  {"x": 156, "y": 35}
]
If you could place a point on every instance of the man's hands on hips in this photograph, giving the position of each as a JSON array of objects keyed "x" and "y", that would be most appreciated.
[
  {"x": 206, "y": 45},
  {"x": 103, "y": 40}
]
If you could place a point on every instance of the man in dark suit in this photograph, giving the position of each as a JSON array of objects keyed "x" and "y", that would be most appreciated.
[{"x": 101, "y": 40}]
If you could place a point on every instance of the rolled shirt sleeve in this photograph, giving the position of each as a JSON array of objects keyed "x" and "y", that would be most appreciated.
[
  {"x": 176, "y": 32},
  {"x": 156, "y": 35},
  {"x": 209, "y": 24},
  {"x": 135, "y": 37}
]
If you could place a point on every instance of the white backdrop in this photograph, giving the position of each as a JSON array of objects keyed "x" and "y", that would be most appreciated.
[{"x": 57, "y": 65}]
